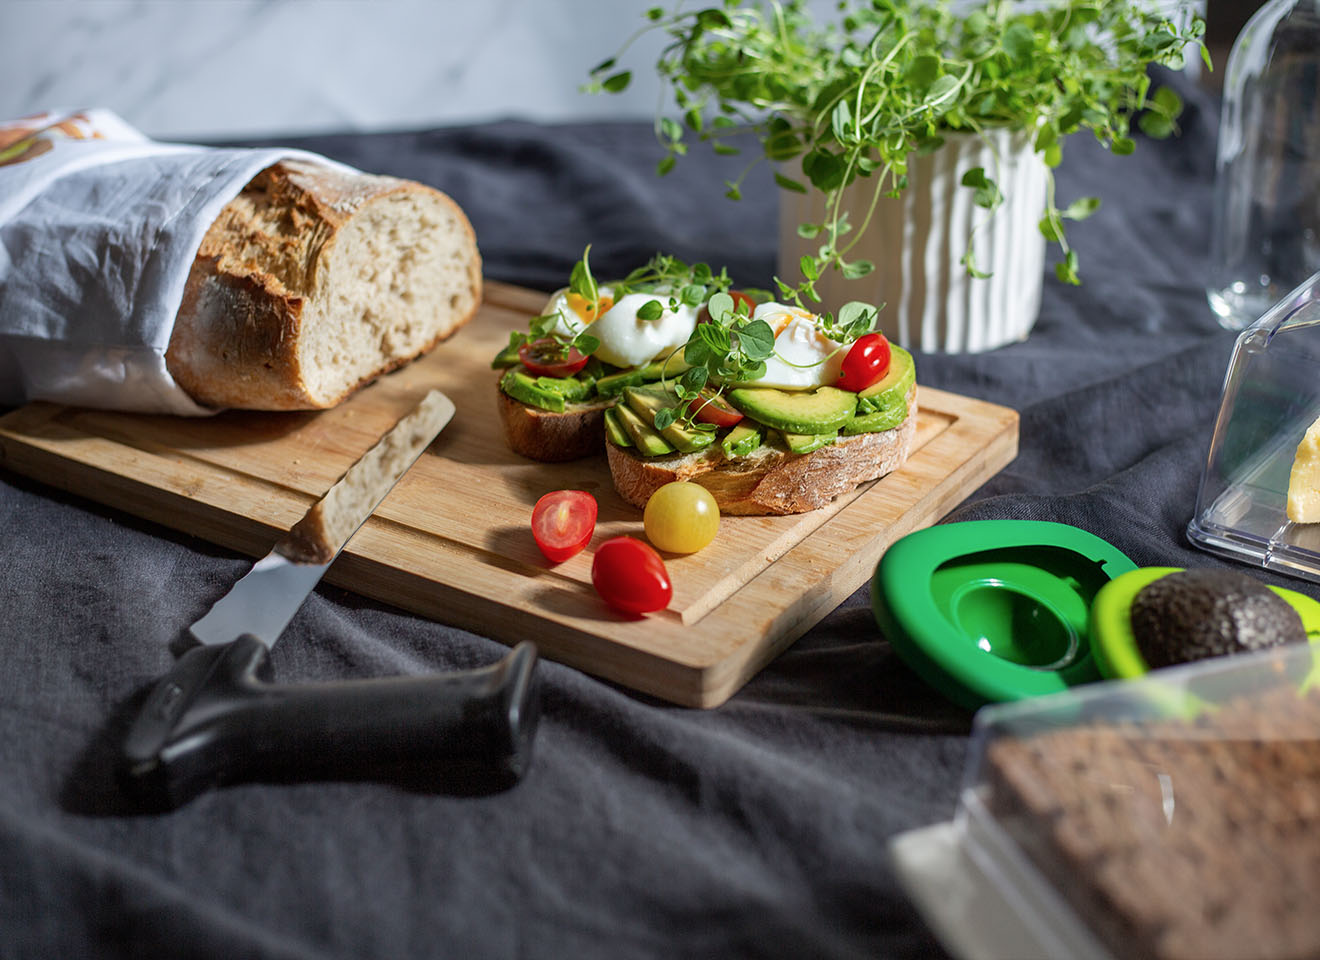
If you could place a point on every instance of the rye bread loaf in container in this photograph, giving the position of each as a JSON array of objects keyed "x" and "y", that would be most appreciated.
[{"x": 313, "y": 282}]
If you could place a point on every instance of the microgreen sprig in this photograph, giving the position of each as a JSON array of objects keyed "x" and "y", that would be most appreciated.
[
  {"x": 545, "y": 327},
  {"x": 859, "y": 98}
]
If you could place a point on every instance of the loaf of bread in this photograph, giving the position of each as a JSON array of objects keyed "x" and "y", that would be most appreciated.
[
  {"x": 771, "y": 480},
  {"x": 313, "y": 282}
]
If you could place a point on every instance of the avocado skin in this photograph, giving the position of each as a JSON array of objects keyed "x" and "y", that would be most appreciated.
[
  {"x": 823, "y": 410},
  {"x": 1194, "y": 614}
]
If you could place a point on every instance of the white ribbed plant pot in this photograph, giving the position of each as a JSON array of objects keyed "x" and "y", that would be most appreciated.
[{"x": 917, "y": 240}]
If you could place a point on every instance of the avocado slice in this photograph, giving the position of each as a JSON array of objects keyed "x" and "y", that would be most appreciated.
[
  {"x": 665, "y": 367},
  {"x": 819, "y": 411},
  {"x": 741, "y": 440},
  {"x": 892, "y": 389},
  {"x": 508, "y": 357},
  {"x": 648, "y": 441},
  {"x": 612, "y": 384},
  {"x": 885, "y": 419},
  {"x": 647, "y": 402},
  {"x": 548, "y": 393},
  {"x": 614, "y": 429},
  {"x": 807, "y": 442}
]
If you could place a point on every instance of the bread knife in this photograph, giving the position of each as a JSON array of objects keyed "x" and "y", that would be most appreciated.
[{"x": 219, "y": 718}]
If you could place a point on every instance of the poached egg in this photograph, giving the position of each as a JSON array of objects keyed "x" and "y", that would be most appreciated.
[
  {"x": 626, "y": 340},
  {"x": 804, "y": 358}
]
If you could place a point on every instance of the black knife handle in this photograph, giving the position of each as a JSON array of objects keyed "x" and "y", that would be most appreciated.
[{"x": 217, "y": 718}]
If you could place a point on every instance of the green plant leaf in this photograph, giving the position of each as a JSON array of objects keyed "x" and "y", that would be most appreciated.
[
  {"x": 1081, "y": 209},
  {"x": 618, "y": 82},
  {"x": 586, "y": 343},
  {"x": 789, "y": 184},
  {"x": 854, "y": 269},
  {"x": 1019, "y": 42},
  {"x": 664, "y": 417},
  {"x": 756, "y": 339},
  {"x": 650, "y": 310},
  {"x": 720, "y": 307}
]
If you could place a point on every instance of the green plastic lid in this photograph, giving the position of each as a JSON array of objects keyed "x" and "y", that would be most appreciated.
[
  {"x": 1112, "y": 642},
  {"x": 994, "y": 610}
]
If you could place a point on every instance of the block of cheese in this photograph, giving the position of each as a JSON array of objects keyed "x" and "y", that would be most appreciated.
[{"x": 1304, "y": 481}]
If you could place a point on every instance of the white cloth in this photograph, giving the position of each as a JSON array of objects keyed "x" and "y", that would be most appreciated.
[{"x": 98, "y": 229}]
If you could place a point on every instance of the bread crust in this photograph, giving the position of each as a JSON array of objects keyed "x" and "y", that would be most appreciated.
[
  {"x": 236, "y": 337},
  {"x": 772, "y": 480},
  {"x": 549, "y": 436}
]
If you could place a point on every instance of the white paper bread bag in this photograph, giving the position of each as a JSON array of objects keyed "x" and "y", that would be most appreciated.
[{"x": 100, "y": 227}]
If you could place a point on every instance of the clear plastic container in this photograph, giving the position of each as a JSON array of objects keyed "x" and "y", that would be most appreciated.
[
  {"x": 1177, "y": 816},
  {"x": 1266, "y": 234},
  {"x": 1271, "y": 395}
]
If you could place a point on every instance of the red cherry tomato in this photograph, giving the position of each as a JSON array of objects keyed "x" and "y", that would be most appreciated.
[
  {"x": 563, "y": 522},
  {"x": 708, "y": 408},
  {"x": 630, "y": 576},
  {"x": 738, "y": 297},
  {"x": 866, "y": 363},
  {"x": 546, "y": 358}
]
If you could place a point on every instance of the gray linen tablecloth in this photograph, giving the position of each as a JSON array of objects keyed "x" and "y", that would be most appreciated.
[{"x": 643, "y": 829}]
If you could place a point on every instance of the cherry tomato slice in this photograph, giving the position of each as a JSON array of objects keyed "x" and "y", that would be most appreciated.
[
  {"x": 563, "y": 522},
  {"x": 630, "y": 576},
  {"x": 546, "y": 358},
  {"x": 738, "y": 297},
  {"x": 866, "y": 363},
  {"x": 709, "y": 408}
]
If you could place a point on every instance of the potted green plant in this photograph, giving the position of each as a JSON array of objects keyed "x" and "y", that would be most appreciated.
[{"x": 915, "y": 143}]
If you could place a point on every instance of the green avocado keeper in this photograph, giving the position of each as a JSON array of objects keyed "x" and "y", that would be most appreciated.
[{"x": 994, "y": 610}]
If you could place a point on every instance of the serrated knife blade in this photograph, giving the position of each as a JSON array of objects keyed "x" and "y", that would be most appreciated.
[{"x": 264, "y": 601}]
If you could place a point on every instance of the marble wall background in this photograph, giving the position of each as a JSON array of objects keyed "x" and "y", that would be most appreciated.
[
  {"x": 185, "y": 69},
  {"x": 197, "y": 69}
]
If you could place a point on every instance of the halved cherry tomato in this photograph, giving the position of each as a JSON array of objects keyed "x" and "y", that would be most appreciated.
[
  {"x": 630, "y": 576},
  {"x": 738, "y": 297},
  {"x": 547, "y": 358},
  {"x": 866, "y": 363},
  {"x": 709, "y": 408},
  {"x": 563, "y": 522}
]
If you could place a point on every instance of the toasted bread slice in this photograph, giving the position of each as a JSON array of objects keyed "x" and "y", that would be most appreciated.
[
  {"x": 771, "y": 480},
  {"x": 549, "y": 436}
]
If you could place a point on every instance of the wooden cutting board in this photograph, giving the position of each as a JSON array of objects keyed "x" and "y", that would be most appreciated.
[{"x": 452, "y": 541}]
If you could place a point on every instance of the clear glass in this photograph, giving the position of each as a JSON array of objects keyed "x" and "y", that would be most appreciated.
[
  {"x": 1271, "y": 395},
  {"x": 1267, "y": 183}
]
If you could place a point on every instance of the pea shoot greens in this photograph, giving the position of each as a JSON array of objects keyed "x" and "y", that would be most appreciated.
[{"x": 890, "y": 79}]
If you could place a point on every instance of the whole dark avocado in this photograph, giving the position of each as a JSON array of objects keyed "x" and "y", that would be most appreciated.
[{"x": 1194, "y": 614}]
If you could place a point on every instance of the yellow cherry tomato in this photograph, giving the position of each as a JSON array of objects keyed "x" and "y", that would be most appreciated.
[{"x": 681, "y": 517}]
